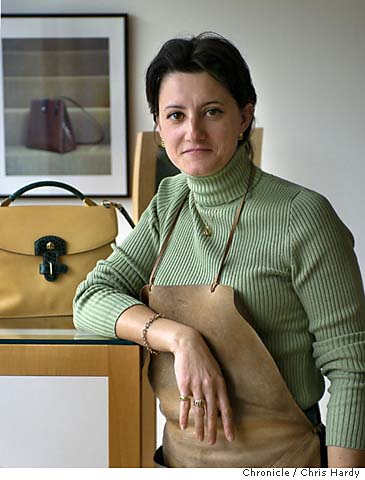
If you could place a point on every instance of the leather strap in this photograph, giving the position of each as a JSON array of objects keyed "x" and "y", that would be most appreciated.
[
  {"x": 93, "y": 119},
  {"x": 165, "y": 243},
  {"x": 120, "y": 208},
  {"x": 231, "y": 233},
  {"x": 228, "y": 244},
  {"x": 47, "y": 183}
]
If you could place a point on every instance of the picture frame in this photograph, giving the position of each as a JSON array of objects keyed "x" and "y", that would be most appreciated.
[{"x": 61, "y": 76}]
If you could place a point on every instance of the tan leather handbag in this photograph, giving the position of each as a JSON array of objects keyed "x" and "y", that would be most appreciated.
[{"x": 47, "y": 250}]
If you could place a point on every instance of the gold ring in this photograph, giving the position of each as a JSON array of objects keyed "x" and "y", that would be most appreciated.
[
  {"x": 199, "y": 403},
  {"x": 184, "y": 398}
]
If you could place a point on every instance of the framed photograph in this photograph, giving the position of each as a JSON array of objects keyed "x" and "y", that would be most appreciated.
[{"x": 63, "y": 103}]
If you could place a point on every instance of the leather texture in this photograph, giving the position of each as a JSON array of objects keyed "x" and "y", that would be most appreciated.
[
  {"x": 271, "y": 429},
  {"x": 88, "y": 232},
  {"x": 49, "y": 126}
]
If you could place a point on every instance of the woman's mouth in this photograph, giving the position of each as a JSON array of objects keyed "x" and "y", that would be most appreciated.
[{"x": 197, "y": 150}]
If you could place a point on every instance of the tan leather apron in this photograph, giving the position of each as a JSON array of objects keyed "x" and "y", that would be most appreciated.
[{"x": 271, "y": 429}]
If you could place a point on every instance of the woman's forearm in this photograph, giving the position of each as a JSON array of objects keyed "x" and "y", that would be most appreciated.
[
  {"x": 164, "y": 335},
  {"x": 345, "y": 457}
]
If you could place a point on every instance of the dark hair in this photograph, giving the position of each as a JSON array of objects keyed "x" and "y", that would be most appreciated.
[{"x": 207, "y": 52}]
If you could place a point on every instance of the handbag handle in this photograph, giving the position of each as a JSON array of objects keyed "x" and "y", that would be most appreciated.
[
  {"x": 101, "y": 130},
  {"x": 70, "y": 188},
  {"x": 49, "y": 183}
]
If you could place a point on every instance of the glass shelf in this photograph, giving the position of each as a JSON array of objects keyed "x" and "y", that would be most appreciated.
[{"x": 57, "y": 331}]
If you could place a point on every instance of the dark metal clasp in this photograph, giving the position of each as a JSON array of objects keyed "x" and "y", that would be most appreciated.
[{"x": 50, "y": 247}]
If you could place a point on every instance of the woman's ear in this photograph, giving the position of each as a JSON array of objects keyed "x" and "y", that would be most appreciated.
[
  {"x": 157, "y": 125},
  {"x": 158, "y": 129},
  {"x": 247, "y": 113}
]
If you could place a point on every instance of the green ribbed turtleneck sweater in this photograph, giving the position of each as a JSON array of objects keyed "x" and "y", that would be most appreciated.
[{"x": 291, "y": 262}]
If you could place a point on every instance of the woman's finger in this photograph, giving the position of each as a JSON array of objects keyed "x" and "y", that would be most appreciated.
[
  {"x": 199, "y": 414},
  {"x": 226, "y": 413},
  {"x": 185, "y": 402},
  {"x": 211, "y": 417}
]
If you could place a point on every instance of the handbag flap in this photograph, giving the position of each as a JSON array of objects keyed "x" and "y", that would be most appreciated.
[{"x": 84, "y": 228}]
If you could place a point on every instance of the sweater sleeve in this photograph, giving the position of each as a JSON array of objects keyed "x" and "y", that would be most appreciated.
[
  {"x": 327, "y": 280},
  {"x": 114, "y": 284}
]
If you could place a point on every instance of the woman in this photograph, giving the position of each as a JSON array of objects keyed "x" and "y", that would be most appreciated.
[{"x": 255, "y": 290}]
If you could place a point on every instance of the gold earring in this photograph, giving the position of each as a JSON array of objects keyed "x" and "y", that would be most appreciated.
[
  {"x": 162, "y": 144},
  {"x": 240, "y": 136}
]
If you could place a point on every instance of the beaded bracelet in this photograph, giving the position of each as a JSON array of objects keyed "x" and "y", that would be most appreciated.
[{"x": 144, "y": 332}]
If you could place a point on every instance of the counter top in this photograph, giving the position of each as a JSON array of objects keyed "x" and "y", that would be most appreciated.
[{"x": 50, "y": 331}]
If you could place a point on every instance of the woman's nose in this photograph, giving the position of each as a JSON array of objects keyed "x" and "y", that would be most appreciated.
[{"x": 194, "y": 130}]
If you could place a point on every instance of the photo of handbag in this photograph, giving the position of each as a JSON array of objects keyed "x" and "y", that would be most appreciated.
[
  {"x": 47, "y": 250},
  {"x": 50, "y": 127}
]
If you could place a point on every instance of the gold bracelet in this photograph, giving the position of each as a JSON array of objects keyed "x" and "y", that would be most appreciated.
[{"x": 144, "y": 332}]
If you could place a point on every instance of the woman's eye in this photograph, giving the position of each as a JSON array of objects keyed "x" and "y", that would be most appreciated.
[
  {"x": 175, "y": 115},
  {"x": 212, "y": 112}
]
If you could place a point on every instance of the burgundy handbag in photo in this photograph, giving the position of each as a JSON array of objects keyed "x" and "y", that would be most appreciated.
[{"x": 49, "y": 126}]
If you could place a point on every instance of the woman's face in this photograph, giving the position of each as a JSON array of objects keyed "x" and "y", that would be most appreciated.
[{"x": 200, "y": 122}]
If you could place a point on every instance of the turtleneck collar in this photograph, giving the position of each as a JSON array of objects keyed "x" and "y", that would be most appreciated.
[{"x": 224, "y": 186}]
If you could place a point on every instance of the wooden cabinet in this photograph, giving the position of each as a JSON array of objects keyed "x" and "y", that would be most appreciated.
[{"x": 131, "y": 412}]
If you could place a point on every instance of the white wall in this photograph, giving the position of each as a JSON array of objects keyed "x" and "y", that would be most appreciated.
[{"x": 308, "y": 65}]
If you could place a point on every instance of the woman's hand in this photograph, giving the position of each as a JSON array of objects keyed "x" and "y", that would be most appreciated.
[
  {"x": 198, "y": 375},
  {"x": 197, "y": 372}
]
